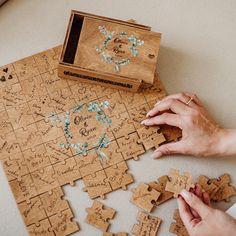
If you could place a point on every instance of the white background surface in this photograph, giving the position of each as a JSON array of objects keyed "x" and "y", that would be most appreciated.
[{"x": 198, "y": 54}]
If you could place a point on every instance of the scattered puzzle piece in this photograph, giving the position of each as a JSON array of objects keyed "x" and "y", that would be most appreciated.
[
  {"x": 224, "y": 189},
  {"x": 178, "y": 182},
  {"x": 99, "y": 216},
  {"x": 144, "y": 197},
  {"x": 148, "y": 225},
  {"x": 117, "y": 234},
  {"x": 160, "y": 186},
  {"x": 178, "y": 227},
  {"x": 207, "y": 186}
]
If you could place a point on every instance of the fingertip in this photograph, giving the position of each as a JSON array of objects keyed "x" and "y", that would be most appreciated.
[{"x": 156, "y": 155}]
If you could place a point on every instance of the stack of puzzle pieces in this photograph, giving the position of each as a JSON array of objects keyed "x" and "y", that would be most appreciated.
[{"x": 35, "y": 153}]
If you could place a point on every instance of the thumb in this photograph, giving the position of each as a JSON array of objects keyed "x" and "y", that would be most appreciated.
[
  {"x": 196, "y": 203},
  {"x": 169, "y": 148}
]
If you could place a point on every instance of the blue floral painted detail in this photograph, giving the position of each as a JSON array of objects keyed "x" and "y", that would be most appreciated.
[
  {"x": 83, "y": 148},
  {"x": 109, "y": 35}
]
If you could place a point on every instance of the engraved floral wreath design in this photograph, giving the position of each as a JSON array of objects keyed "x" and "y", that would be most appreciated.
[
  {"x": 134, "y": 42},
  {"x": 83, "y": 148}
]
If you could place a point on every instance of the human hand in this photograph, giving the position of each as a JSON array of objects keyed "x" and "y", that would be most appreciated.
[
  {"x": 201, "y": 134},
  {"x": 200, "y": 219}
]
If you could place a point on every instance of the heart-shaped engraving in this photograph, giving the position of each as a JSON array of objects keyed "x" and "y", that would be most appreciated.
[
  {"x": 3, "y": 78},
  {"x": 5, "y": 70}
]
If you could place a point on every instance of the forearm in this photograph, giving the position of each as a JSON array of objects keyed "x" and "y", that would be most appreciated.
[{"x": 226, "y": 143}]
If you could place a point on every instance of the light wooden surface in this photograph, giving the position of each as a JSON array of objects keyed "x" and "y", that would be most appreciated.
[{"x": 198, "y": 54}]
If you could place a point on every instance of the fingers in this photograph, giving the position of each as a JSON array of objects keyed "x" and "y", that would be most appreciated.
[
  {"x": 183, "y": 97},
  {"x": 165, "y": 118},
  {"x": 185, "y": 213},
  {"x": 168, "y": 149},
  {"x": 206, "y": 199},
  {"x": 174, "y": 105},
  {"x": 196, "y": 203}
]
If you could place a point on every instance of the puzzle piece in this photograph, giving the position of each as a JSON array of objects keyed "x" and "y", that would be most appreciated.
[
  {"x": 15, "y": 166},
  {"x": 115, "y": 105},
  {"x": 20, "y": 116},
  {"x": 46, "y": 60},
  {"x": 8, "y": 145},
  {"x": 207, "y": 186},
  {"x": 52, "y": 82},
  {"x": 40, "y": 229},
  {"x": 145, "y": 197},
  {"x": 55, "y": 152},
  {"x": 159, "y": 186},
  {"x": 32, "y": 211},
  {"x": 117, "y": 234},
  {"x": 132, "y": 100},
  {"x": 154, "y": 93},
  {"x": 82, "y": 92},
  {"x": 129, "y": 147},
  {"x": 110, "y": 157},
  {"x": 171, "y": 133},
  {"x": 53, "y": 202},
  {"x": 7, "y": 76},
  {"x": 88, "y": 164},
  {"x": 44, "y": 179},
  {"x": 63, "y": 223},
  {"x": 31, "y": 88},
  {"x": 67, "y": 171},
  {"x": 28, "y": 136},
  {"x": 178, "y": 227},
  {"x": 40, "y": 107},
  {"x": 99, "y": 216},
  {"x": 23, "y": 189},
  {"x": 62, "y": 100},
  {"x": 26, "y": 68},
  {"x": 148, "y": 225},
  {"x": 121, "y": 125},
  {"x": 118, "y": 177},
  {"x": 5, "y": 123},
  {"x": 97, "y": 184},
  {"x": 48, "y": 131},
  {"x": 178, "y": 182},
  {"x": 138, "y": 114},
  {"x": 12, "y": 96},
  {"x": 150, "y": 137},
  {"x": 36, "y": 158},
  {"x": 224, "y": 189}
]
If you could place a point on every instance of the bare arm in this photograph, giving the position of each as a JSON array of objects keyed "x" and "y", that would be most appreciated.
[{"x": 202, "y": 135}]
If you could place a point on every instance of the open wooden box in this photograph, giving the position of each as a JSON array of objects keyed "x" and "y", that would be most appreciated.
[{"x": 109, "y": 52}]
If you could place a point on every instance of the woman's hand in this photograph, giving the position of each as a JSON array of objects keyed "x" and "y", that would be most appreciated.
[
  {"x": 201, "y": 134},
  {"x": 200, "y": 219}
]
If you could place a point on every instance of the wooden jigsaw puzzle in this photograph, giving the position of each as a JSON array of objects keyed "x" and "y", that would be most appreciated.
[
  {"x": 56, "y": 131},
  {"x": 148, "y": 225}
]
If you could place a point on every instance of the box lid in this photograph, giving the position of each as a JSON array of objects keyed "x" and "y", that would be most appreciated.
[{"x": 113, "y": 48}]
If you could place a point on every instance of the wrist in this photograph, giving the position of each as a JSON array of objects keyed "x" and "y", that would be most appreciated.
[{"x": 224, "y": 143}]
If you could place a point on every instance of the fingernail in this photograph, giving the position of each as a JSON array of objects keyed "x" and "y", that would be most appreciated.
[
  {"x": 156, "y": 154},
  {"x": 148, "y": 114},
  {"x": 143, "y": 122},
  {"x": 185, "y": 194},
  {"x": 157, "y": 103}
]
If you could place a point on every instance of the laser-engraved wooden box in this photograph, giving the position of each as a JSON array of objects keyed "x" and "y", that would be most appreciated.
[{"x": 109, "y": 52}]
